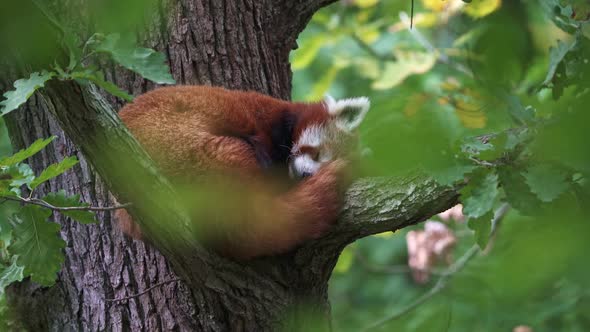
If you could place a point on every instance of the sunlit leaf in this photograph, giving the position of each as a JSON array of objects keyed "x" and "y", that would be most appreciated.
[
  {"x": 365, "y": 3},
  {"x": 438, "y": 5},
  {"x": 23, "y": 89},
  {"x": 345, "y": 260},
  {"x": 385, "y": 235},
  {"x": 408, "y": 63},
  {"x": 368, "y": 34},
  {"x": 54, "y": 170},
  {"x": 307, "y": 52},
  {"x": 37, "y": 244},
  {"x": 470, "y": 113},
  {"x": 60, "y": 199},
  {"x": 367, "y": 67},
  {"x": 20, "y": 175},
  {"x": 10, "y": 274},
  {"x": 482, "y": 8}
]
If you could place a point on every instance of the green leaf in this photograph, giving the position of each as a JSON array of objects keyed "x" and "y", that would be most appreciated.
[
  {"x": 60, "y": 199},
  {"x": 307, "y": 52},
  {"x": 482, "y": 227},
  {"x": 23, "y": 89},
  {"x": 5, "y": 188},
  {"x": 473, "y": 146},
  {"x": 54, "y": 170},
  {"x": 10, "y": 274},
  {"x": 497, "y": 148},
  {"x": 320, "y": 87},
  {"x": 144, "y": 61},
  {"x": 479, "y": 195},
  {"x": 517, "y": 137},
  {"x": 37, "y": 244},
  {"x": 517, "y": 192},
  {"x": 451, "y": 175},
  {"x": 37, "y": 146},
  {"x": 556, "y": 56},
  {"x": 560, "y": 14},
  {"x": 568, "y": 66},
  {"x": 408, "y": 63},
  {"x": 546, "y": 182},
  {"x": 18, "y": 175},
  {"x": 521, "y": 115},
  {"x": 97, "y": 78},
  {"x": 345, "y": 260}
]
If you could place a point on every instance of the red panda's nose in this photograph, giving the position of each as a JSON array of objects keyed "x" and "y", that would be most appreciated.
[{"x": 306, "y": 174}]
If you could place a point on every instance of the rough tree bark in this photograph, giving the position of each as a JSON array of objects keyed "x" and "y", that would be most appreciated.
[{"x": 241, "y": 44}]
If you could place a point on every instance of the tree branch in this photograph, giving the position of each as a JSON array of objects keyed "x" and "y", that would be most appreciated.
[
  {"x": 165, "y": 282},
  {"x": 42, "y": 203},
  {"x": 376, "y": 205},
  {"x": 441, "y": 57},
  {"x": 371, "y": 51}
]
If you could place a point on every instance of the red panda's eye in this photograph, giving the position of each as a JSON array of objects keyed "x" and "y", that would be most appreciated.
[
  {"x": 313, "y": 153},
  {"x": 316, "y": 155}
]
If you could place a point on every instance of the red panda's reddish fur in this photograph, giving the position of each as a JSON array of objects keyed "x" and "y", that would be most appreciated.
[{"x": 192, "y": 131}]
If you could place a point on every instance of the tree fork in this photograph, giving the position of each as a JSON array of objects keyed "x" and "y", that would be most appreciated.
[{"x": 214, "y": 294}]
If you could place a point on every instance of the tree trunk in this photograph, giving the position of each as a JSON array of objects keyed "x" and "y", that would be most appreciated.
[{"x": 241, "y": 44}]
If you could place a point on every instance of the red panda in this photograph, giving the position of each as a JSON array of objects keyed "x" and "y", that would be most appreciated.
[{"x": 251, "y": 140}]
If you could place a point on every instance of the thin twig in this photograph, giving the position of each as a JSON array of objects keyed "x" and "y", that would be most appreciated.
[
  {"x": 388, "y": 269},
  {"x": 442, "y": 282},
  {"x": 412, "y": 15},
  {"x": 483, "y": 162},
  {"x": 441, "y": 57},
  {"x": 42, "y": 203},
  {"x": 372, "y": 51},
  {"x": 145, "y": 291}
]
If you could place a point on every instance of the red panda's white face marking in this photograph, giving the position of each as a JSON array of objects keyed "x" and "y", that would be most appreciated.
[{"x": 321, "y": 143}]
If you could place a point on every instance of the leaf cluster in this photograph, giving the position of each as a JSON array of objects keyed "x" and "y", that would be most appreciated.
[
  {"x": 83, "y": 57},
  {"x": 30, "y": 245}
]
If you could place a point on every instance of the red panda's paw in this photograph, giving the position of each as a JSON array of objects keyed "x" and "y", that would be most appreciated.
[{"x": 337, "y": 173}]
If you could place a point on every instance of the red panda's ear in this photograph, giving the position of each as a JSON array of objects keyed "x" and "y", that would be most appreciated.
[{"x": 348, "y": 113}]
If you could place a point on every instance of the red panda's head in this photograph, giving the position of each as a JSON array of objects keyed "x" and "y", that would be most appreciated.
[{"x": 327, "y": 136}]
